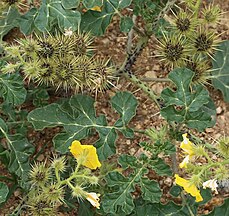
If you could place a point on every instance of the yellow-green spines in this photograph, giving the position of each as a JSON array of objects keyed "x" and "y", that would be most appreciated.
[
  {"x": 184, "y": 23},
  {"x": 223, "y": 147},
  {"x": 201, "y": 68},
  {"x": 61, "y": 61},
  {"x": 53, "y": 194},
  {"x": 204, "y": 42},
  {"x": 211, "y": 14},
  {"x": 40, "y": 174},
  {"x": 38, "y": 205},
  {"x": 173, "y": 50}
]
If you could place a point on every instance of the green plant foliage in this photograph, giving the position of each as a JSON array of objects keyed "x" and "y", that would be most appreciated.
[
  {"x": 4, "y": 190},
  {"x": 12, "y": 88},
  {"x": 122, "y": 186},
  {"x": 8, "y": 21},
  {"x": 26, "y": 21},
  {"x": 97, "y": 22},
  {"x": 157, "y": 209},
  {"x": 18, "y": 152},
  {"x": 126, "y": 24},
  {"x": 70, "y": 4},
  {"x": 92, "y": 3},
  {"x": 52, "y": 13},
  {"x": 220, "y": 72},
  {"x": 186, "y": 104},
  {"x": 221, "y": 210},
  {"x": 78, "y": 118},
  {"x": 156, "y": 163}
]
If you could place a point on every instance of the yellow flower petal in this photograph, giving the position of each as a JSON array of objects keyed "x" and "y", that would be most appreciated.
[
  {"x": 189, "y": 188},
  {"x": 187, "y": 146},
  {"x": 184, "y": 163},
  {"x": 93, "y": 198},
  {"x": 96, "y": 8},
  {"x": 87, "y": 152}
]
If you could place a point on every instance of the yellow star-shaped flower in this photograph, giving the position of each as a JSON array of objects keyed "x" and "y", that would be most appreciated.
[
  {"x": 187, "y": 145},
  {"x": 188, "y": 187},
  {"x": 85, "y": 154}
]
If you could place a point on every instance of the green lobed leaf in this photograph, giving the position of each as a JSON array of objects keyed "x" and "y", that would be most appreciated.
[
  {"x": 157, "y": 209},
  {"x": 161, "y": 167},
  {"x": 126, "y": 24},
  {"x": 121, "y": 187},
  {"x": 8, "y": 21},
  {"x": 52, "y": 13},
  {"x": 69, "y": 4},
  {"x": 128, "y": 161},
  {"x": 97, "y": 22},
  {"x": 66, "y": 18},
  {"x": 92, "y": 3},
  {"x": 4, "y": 190},
  {"x": 122, "y": 196},
  {"x": 184, "y": 105},
  {"x": 41, "y": 20},
  {"x": 20, "y": 151},
  {"x": 221, "y": 210},
  {"x": 78, "y": 118},
  {"x": 220, "y": 72},
  {"x": 150, "y": 190},
  {"x": 12, "y": 88},
  {"x": 123, "y": 102},
  {"x": 26, "y": 21}
]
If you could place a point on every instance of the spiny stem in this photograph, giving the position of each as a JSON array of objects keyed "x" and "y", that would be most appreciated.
[
  {"x": 143, "y": 86},
  {"x": 149, "y": 79},
  {"x": 164, "y": 11},
  {"x": 130, "y": 36}
]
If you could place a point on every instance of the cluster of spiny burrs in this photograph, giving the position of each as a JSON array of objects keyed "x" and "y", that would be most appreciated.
[
  {"x": 60, "y": 60},
  {"x": 191, "y": 41}
]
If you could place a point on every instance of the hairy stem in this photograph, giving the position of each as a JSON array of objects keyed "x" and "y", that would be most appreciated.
[{"x": 149, "y": 79}]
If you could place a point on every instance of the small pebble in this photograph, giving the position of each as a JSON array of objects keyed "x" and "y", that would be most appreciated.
[{"x": 219, "y": 110}]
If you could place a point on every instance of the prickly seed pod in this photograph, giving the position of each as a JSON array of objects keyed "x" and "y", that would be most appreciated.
[
  {"x": 13, "y": 51},
  {"x": 46, "y": 73},
  {"x": 78, "y": 192},
  {"x": 220, "y": 173},
  {"x": 190, "y": 3},
  {"x": 223, "y": 147},
  {"x": 38, "y": 206},
  {"x": 172, "y": 50},
  {"x": 66, "y": 74},
  {"x": 205, "y": 43},
  {"x": 10, "y": 68},
  {"x": 103, "y": 75},
  {"x": 59, "y": 164},
  {"x": 28, "y": 48},
  {"x": 211, "y": 14},
  {"x": 201, "y": 68},
  {"x": 46, "y": 49},
  {"x": 196, "y": 180},
  {"x": 40, "y": 174},
  {"x": 53, "y": 194},
  {"x": 32, "y": 68},
  {"x": 76, "y": 44},
  {"x": 184, "y": 23}
]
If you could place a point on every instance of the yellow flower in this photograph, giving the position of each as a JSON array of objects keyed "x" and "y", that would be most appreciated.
[
  {"x": 189, "y": 188},
  {"x": 184, "y": 163},
  {"x": 85, "y": 154},
  {"x": 186, "y": 145},
  {"x": 211, "y": 184},
  {"x": 96, "y": 8},
  {"x": 93, "y": 198}
]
